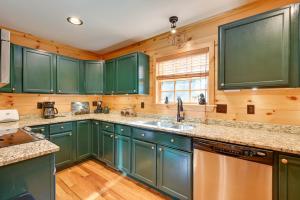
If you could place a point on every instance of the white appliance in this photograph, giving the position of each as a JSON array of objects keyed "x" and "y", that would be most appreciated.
[
  {"x": 225, "y": 171},
  {"x": 9, "y": 115},
  {"x": 5, "y": 57}
]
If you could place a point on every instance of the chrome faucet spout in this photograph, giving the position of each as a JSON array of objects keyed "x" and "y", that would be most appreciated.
[{"x": 180, "y": 113}]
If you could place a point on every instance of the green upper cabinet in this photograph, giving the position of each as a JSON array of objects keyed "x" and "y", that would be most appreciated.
[
  {"x": 174, "y": 172},
  {"x": 289, "y": 178},
  {"x": 94, "y": 77},
  {"x": 83, "y": 139},
  {"x": 128, "y": 74},
  {"x": 109, "y": 76},
  {"x": 16, "y": 61},
  {"x": 258, "y": 51},
  {"x": 122, "y": 153},
  {"x": 144, "y": 161},
  {"x": 68, "y": 75},
  {"x": 38, "y": 71}
]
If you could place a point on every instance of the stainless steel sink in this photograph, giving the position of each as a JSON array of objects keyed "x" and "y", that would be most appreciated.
[{"x": 169, "y": 125}]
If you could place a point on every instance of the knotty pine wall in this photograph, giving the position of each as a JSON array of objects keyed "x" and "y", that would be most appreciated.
[
  {"x": 26, "y": 103},
  {"x": 280, "y": 106}
]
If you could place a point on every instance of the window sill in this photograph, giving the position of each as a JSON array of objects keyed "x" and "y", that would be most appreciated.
[{"x": 189, "y": 107}]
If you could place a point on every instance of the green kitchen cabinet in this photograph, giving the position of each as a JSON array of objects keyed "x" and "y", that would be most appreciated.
[
  {"x": 94, "y": 77},
  {"x": 16, "y": 61},
  {"x": 95, "y": 139},
  {"x": 174, "y": 172},
  {"x": 38, "y": 71},
  {"x": 108, "y": 148},
  {"x": 65, "y": 142},
  {"x": 289, "y": 178},
  {"x": 42, "y": 129},
  {"x": 260, "y": 51},
  {"x": 83, "y": 139},
  {"x": 123, "y": 153},
  {"x": 144, "y": 161},
  {"x": 35, "y": 176},
  {"x": 109, "y": 76},
  {"x": 68, "y": 75}
]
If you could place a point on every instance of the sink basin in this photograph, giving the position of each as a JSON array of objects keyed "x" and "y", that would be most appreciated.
[{"x": 169, "y": 125}]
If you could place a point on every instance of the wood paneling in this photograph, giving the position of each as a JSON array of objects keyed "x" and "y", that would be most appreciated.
[
  {"x": 92, "y": 180},
  {"x": 26, "y": 104},
  {"x": 274, "y": 105}
]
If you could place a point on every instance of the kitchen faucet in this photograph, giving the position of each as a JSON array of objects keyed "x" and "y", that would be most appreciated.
[{"x": 180, "y": 113}]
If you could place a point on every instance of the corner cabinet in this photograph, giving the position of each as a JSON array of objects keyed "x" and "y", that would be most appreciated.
[
  {"x": 93, "y": 77},
  {"x": 260, "y": 51},
  {"x": 289, "y": 178},
  {"x": 128, "y": 74},
  {"x": 38, "y": 71},
  {"x": 68, "y": 75}
]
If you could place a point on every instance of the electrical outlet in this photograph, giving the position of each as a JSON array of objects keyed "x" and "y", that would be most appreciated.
[
  {"x": 221, "y": 108},
  {"x": 142, "y": 105},
  {"x": 39, "y": 105},
  {"x": 250, "y": 109},
  {"x": 94, "y": 103}
]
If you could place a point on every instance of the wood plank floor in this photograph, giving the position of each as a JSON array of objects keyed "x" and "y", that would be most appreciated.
[{"x": 92, "y": 180}]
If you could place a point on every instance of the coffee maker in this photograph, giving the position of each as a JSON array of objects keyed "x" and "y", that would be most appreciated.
[{"x": 48, "y": 110}]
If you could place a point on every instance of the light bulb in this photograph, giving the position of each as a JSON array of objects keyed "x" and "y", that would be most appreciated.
[
  {"x": 75, "y": 20},
  {"x": 173, "y": 30}
]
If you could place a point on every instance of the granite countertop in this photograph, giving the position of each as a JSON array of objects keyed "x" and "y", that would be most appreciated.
[{"x": 288, "y": 142}]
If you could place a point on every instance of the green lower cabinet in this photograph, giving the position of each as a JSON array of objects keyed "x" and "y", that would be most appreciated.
[
  {"x": 144, "y": 161},
  {"x": 34, "y": 176},
  {"x": 289, "y": 178},
  {"x": 108, "y": 148},
  {"x": 43, "y": 129},
  {"x": 122, "y": 153},
  {"x": 83, "y": 139},
  {"x": 95, "y": 138},
  {"x": 65, "y": 142},
  {"x": 174, "y": 172}
]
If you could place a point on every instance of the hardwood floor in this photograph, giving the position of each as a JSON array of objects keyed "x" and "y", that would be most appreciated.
[{"x": 91, "y": 180}]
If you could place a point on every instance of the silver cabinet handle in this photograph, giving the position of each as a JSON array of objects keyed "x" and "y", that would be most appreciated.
[
  {"x": 13, "y": 89},
  {"x": 284, "y": 161},
  {"x": 96, "y": 123},
  {"x": 62, "y": 127},
  {"x": 143, "y": 135},
  {"x": 116, "y": 137},
  {"x": 122, "y": 129},
  {"x": 160, "y": 149},
  {"x": 51, "y": 90},
  {"x": 70, "y": 134},
  {"x": 54, "y": 171},
  {"x": 152, "y": 147},
  {"x": 222, "y": 84},
  {"x": 172, "y": 140},
  {"x": 134, "y": 90},
  {"x": 111, "y": 136},
  {"x": 42, "y": 130},
  {"x": 59, "y": 91},
  {"x": 106, "y": 126}
]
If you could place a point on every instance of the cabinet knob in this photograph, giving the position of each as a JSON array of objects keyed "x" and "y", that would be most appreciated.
[
  {"x": 222, "y": 84},
  {"x": 284, "y": 161},
  {"x": 59, "y": 91},
  {"x": 51, "y": 90},
  {"x": 122, "y": 129},
  {"x": 134, "y": 90},
  {"x": 111, "y": 136},
  {"x": 172, "y": 140},
  {"x": 116, "y": 137},
  {"x": 42, "y": 130},
  {"x": 143, "y": 135},
  {"x": 106, "y": 126},
  {"x": 13, "y": 89},
  {"x": 62, "y": 127},
  {"x": 70, "y": 134},
  {"x": 160, "y": 149},
  {"x": 152, "y": 147},
  {"x": 96, "y": 123}
]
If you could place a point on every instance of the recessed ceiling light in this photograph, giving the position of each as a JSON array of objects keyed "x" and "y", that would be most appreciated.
[{"x": 75, "y": 20}]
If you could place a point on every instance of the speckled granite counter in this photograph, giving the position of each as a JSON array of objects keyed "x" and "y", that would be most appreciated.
[
  {"x": 274, "y": 140},
  {"x": 17, "y": 153}
]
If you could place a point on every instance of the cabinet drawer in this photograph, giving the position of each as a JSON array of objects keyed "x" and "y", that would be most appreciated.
[
  {"x": 175, "y": 141},
  {"x": 123, "y": 130},
  {"x": 107, "y": 126},
  {"x": 61, "y": 127},
  {"x": 144, "y": 135},
  {"x": 42, "y": 130}
]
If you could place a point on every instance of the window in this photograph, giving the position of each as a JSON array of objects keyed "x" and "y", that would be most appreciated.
[{"x": 185, "y": 76}]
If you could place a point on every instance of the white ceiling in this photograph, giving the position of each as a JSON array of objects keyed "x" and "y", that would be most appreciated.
[{"x": 108, "y": 24}]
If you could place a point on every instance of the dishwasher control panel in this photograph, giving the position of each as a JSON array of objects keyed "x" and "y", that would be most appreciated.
[{"x": 234, "y": 150}]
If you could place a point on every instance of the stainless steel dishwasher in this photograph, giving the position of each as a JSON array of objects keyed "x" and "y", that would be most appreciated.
[{"x": 225, "y": 171}]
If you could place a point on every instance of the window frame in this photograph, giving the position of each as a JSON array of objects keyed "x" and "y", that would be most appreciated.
[{"x": 209, "y": 48}]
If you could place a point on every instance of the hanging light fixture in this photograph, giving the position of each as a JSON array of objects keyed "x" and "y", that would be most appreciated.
[{"x": 173, "y": 20}]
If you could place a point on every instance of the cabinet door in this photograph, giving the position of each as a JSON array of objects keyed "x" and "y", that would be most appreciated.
[
  {"x": 15, "y": 84},
  {"x": 38, "y": 71},
  {"x": 95, "y": 138},
  {"x": 122, "y": 153},
  {"x": 67, "y": 75},
  {"x": 83, "y": 140},
  {"x": 108, "y": 148},
  {"x": 289, "y": 178},
  {"x": 144, "y": 161},
  {"x": 255, "y": 52},
  {"x": 127, "y": 74},
  {"x": 93, "y": 77},
  {"x": 110, "y": 77},
  {"x": 41, "y": 130},
  {"x": 174, "y": 172},
  {"x": 65, "y": 143}
]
